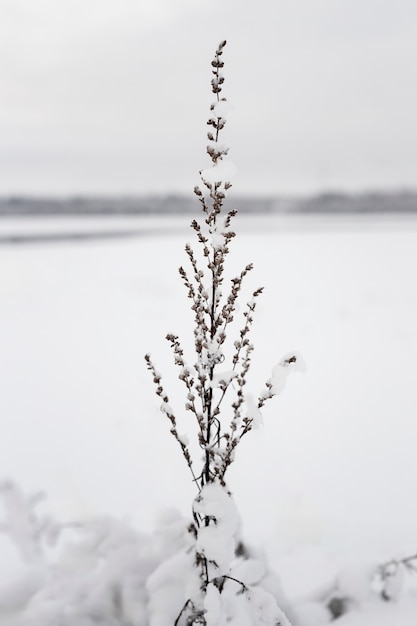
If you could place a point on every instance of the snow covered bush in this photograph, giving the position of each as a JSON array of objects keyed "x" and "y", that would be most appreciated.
[
  {"x": 217, "y": 589},
  {"x": 82, "y": 574},
  {"x": 362, "y": 587}
]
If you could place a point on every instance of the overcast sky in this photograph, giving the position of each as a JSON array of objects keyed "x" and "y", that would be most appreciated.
[{"x": 112, "y": 96}]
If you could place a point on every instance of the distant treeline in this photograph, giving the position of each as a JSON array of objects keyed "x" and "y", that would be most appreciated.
[{"x": 371, "y": 202}]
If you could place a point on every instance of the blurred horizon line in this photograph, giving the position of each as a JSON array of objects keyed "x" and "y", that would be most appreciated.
[{"x": 327, "y": 201}]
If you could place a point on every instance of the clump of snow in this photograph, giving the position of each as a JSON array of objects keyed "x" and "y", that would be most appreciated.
[
  {"x": 28, "y": 531},
  {"x": 222, "y": 108},
  {"x": 263, "y": 609},
  {"x": 183, "y": 438},
  {"x": 213, "y": 606},
  {"x": 217, "y": 238},
  {"x": 166, "y": 408},
  {"x": 250, "y": 571},
  {"x": 223, "y": 171},
  {"x": 216, "y": 542},
  {"x": 291, "y": 362},
  {"x": 217, "y": 148},
  {"x": 242, "y": 606},
  {"x": 168, "y": 589},
  {"x": 253, "y": 412},
  {"x": 223, "y": 379},
  {"x": 213, "y": 354},
  {"x": 239, "y": 598}
]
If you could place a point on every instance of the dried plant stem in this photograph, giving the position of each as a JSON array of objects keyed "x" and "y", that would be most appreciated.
[{"x": 220, "y": 427}]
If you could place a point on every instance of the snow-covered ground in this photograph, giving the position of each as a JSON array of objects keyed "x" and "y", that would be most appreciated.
[{"x": 330, "y": 479}]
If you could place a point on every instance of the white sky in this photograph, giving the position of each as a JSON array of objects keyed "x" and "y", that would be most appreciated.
[{"x": 109, "y": 96}]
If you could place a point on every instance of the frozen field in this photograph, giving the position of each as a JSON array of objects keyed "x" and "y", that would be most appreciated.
[{"x": 332, "y": 476}]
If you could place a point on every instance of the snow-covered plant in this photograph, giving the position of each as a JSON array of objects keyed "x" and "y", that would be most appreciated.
[
  {"x": 30, "y": 532},
  {"x": 392, "y": 574},
  {"x": 368, "y": 583},
  {"x": 88, "y": 573},
  {"x": 215, "y": 386}
]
